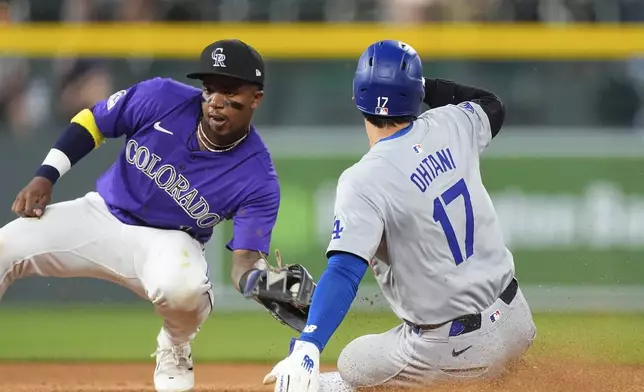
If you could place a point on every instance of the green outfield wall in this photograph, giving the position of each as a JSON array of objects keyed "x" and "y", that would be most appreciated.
[
  {"x": 571, "y": 207},
  {"x": 567, "y": 220}
]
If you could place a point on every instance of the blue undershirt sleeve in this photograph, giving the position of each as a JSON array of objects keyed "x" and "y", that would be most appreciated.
[{"x": 333, "y": 297}]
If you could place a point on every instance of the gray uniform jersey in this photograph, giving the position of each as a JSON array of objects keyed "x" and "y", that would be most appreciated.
[{"x": 415, "y": 207}]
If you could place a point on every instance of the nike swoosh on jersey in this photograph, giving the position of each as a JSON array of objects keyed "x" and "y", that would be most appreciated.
[{"x": 158, "y": 127}]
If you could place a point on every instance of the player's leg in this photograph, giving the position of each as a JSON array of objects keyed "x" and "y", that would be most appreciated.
[
  {"x": 506, "y": 332},
  {"x": 369, "y": 361},
  {"x": 77, "y": 238},
  {"x": 174, "y": 273},
  {"x": 406, "y": 357}
]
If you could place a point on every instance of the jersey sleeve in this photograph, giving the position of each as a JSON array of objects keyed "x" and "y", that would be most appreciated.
[
  {"x": 122, "y": 113},
  {"x": 470, "y": 117},
  {"x": 254, "y": 221},
  {"x": 358, "y": 224}
]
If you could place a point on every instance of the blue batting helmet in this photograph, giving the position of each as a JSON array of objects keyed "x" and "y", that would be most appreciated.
[{"x": 389, "y": 80}]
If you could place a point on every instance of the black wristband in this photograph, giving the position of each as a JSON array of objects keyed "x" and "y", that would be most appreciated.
[
  {"x": 76, "y": 142},
  {"x": 244, "y": 279},
  {"x": 48, "y": 172}
]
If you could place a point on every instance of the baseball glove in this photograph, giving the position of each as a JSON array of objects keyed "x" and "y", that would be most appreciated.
[{"x": 285, "y": 291}]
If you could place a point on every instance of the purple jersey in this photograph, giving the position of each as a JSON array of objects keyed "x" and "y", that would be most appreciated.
[{"x": 161, "y": 179}]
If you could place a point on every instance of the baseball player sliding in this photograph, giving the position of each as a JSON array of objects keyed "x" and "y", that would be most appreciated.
[
  {"x": 191, "y": 159},
  {"x": 414, "y": 208}
]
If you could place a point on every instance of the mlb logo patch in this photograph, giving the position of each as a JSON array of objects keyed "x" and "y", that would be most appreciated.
[
  {"x": 494, "y": 317},
  {"x": 467, "y": 106},
  {"x": 382, "y": 111},
  {"x": 114, "y": 98},
  {"x": 417, "y": 148}
]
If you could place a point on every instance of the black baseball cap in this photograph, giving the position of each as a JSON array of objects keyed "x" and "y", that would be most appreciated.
[{"x": 231, "y": 57}]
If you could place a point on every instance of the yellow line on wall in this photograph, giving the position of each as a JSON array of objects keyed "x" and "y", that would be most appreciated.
[{"x": 326, "y": 41}]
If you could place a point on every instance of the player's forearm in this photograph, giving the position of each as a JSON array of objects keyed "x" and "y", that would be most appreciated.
[
  {"x": 78, "y": 140},
  {"x": 441, "y": 92},
  {"x": 244, "y": 262},
  {"x": 333, "y": 297}
]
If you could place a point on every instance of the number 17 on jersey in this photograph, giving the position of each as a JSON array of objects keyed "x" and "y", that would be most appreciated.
[{"x": 440, "y": 216}]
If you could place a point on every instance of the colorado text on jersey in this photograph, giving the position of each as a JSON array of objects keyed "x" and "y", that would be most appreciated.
[{"x": 177, "y": 186}]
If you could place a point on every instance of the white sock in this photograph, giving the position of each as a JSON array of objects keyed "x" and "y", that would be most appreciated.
[{"x": 332, "y": 382}]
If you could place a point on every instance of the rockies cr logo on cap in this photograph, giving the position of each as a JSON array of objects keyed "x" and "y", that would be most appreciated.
[{"x": 218, "y": 57}]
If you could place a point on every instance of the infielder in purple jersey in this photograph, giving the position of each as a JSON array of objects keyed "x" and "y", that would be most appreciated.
[{"x": 191, "y": 160}]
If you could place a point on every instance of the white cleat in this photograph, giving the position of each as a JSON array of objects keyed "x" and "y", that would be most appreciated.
[{"x": 174, "y": 371}]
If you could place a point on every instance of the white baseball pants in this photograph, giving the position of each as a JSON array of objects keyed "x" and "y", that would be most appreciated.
[
  {"x": 402, "y": 358},
  {"x": 81, "y": 238}
]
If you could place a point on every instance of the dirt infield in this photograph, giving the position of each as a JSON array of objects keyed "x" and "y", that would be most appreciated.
[{"x": 530, "y": 376}]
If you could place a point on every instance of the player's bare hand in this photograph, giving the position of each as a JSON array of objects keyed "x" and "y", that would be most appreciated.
[{"x": 32, "y": 199}]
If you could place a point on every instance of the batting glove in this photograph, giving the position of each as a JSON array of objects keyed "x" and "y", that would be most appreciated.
[{"x": 299, "y": 372}]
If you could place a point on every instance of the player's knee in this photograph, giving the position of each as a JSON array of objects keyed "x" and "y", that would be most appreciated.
[
  {"x": 7, "y": 255},
  {"x": 182, "y": 293},
  {"x": 10, "y": 256},
  {"x": 14, "y": 244},
  {"x": 350, "y": 371},
  {"x": 351, "y": 365},
  {"x": 346, "y": 368}
]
